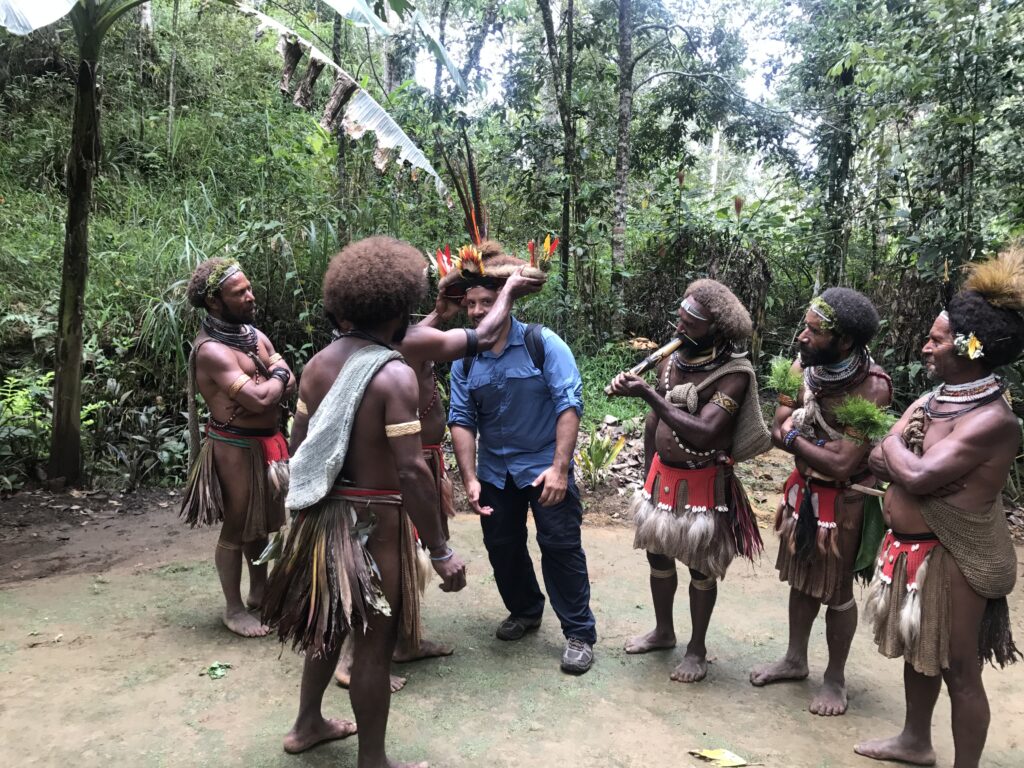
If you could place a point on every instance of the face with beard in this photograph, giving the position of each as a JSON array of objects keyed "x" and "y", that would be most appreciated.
[
  {"x": 939, "y": 352},
  {"x": 818, "y": 346},
  {"x": 234, "y": 303},
  {"x": 695, "y": 333}
]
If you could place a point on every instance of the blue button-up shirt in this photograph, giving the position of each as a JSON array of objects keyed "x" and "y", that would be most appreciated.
[{"x": 513, "y": 406}]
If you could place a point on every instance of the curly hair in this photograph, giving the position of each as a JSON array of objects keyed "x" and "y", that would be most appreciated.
[
  {"x": 731, "y": 319},
  {"x": 856, "y": 316},
  {"x": 374, "y": 280},
  {"x": 999, "y": 329},
  {"x": 198, "y": 284}
]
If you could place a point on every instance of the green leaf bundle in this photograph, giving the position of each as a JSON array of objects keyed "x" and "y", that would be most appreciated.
[
  {"x": 782, "y": 380},
  {"x": 862, "y": 417}
]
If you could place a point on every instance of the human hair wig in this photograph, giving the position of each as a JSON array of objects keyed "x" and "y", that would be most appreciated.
[
  {"x": 199, "y": 284},
  {"x": 999, "y": 329},
  {"x": 855, "y": 315},
  {"x": 730, "y": 318},
  {"x": 374, "y": 280}
]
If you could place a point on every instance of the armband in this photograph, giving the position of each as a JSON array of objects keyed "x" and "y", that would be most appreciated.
[
  {"x": 725, "y": 402},
  {"x": 472, "y": 342},
  {"x": 400, "y": 430},
  {"x": 790, "y": 438},
  {"x": 275, "y": 358},
  {"x": 300, "y": 407},
  {"x": 237, "y": 384},
  {"x": 786, "y": 401},
  {"x": 281, "y": 374}
]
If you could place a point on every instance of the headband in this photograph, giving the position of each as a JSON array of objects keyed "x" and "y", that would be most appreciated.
[
  {"x": 824, "y": 310},
  {"x": 687, "y": 306}
]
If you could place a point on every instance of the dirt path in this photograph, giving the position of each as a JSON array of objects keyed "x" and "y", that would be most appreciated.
[{"x": 100, "y": 663}]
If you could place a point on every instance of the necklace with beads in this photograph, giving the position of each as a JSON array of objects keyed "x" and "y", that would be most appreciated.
[
  {"x": 701, "y": 366},
  {"x": 968, "y": 392}
]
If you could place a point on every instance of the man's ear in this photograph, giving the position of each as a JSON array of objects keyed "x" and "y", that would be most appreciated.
[{"x": 213, "y": 303}]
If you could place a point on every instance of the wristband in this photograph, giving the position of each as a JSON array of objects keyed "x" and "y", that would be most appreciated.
[
  {"x": 790, "y": 438},
  {"x": 445, "y": 557},
  {"x": 820, "y": 442},
  {"x": 281, "y": 374}
]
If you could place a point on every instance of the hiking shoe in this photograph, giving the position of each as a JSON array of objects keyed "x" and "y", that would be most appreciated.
[
  {"x": 577, "y": 657},
  {"x": 514, "y": 628}
]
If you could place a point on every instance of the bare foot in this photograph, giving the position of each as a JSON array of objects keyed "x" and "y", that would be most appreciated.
[
  {"x": 326, "y": 730},
  {"x": 692, "y": 669},
  {"x": 243, "y": 623},
  {"x": 652, "y": 641},
  {"x": 830, "y": 699},
  {"x": 897, "y": 748},
  {"x": 777, "y": 671},
  {"x": 428, "y": 649},
  {"x": 343, "y": 676}
]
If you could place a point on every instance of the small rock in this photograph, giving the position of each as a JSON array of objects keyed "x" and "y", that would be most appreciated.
[{"x": 609, "y": 420}]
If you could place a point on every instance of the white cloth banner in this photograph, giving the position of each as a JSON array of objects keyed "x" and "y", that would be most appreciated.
[{"x": 24, "y": 16}]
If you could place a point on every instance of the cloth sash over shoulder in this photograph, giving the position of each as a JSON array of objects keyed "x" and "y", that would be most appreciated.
[{"x": 321, "y": 456}]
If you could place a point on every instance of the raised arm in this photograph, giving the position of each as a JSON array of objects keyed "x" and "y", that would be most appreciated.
[{"x": 424, "y": 342}]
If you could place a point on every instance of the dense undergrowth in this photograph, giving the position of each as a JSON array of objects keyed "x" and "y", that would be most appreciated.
[{"x": 241, "y": 171}]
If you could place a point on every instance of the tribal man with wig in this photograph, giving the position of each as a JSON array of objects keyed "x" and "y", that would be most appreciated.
[
  {"x": 349, "y": 563},
  {"x": 705, "y": 416},
  {"x": 240, "y": 476},
  {"x": 821, "y": 513},
  {"x": 946, "y": 565}
]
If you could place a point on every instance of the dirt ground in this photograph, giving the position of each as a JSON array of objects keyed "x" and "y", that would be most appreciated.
[{"x": 109, "y": 612}]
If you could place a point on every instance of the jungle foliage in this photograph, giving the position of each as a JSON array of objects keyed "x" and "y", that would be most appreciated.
[{"x": 878, "y": 151}]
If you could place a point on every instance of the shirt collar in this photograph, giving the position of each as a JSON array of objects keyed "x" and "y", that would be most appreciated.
[{"x": 516, "y": 336}]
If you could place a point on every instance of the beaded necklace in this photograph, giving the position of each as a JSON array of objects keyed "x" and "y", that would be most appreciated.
[
  {"x": 968, "y": 392},
  {"x": 241, "y": 337},
  {"x": 977, "y": 402},
  {"x": 828, "y": 379},
  {"x": 701, "y": 366}
]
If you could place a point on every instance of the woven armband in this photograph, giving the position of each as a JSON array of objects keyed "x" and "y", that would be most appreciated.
[
  {"x": 787, "y": 401},
  {"x": 300, "y": 407},
  {"x": 274, "y": 358},
  {"x": 237, "y": 384},
  {"x": 725, "y": 402},
  {"x": 855, "y": 434},
  {"x": 400, "y": 430}
]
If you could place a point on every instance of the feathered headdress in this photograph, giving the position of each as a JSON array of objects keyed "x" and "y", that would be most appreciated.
[
  {"x": 1000, "y": 281},
  {"x": 482, "y": 262}
]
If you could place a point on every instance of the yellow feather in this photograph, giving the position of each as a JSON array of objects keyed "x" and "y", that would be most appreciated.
[{"x": 1000, "y": 280}]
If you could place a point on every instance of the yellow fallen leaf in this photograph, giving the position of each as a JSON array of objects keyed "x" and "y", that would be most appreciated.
[{"x": 720, "y": 757}]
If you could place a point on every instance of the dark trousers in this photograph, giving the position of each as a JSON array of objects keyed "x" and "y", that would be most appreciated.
[{"x": 563, "y": 561}]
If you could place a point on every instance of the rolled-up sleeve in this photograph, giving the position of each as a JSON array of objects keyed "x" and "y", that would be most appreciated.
[
  {"x": 561, "y": 374},
  {"x": 461, "y": 408}
]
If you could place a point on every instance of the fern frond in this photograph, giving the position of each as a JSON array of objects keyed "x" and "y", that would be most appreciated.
[
  {"x": 864, "y": 418},
  {"x": 782, "y": 379}
]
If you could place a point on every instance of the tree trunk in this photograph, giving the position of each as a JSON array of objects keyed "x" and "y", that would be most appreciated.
[
  {"x": 66, "y": 445},
  {"x": 439, "y": 65},
  {"x": 170, "y": 79},
  {"x": 621, "y": 193},
  {"x": 147, "y": 51},
  {"x": 476, "y": 46},
  {"x": 561, "y": 77}
]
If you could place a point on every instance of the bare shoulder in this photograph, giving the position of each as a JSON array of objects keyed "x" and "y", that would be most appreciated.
[
  {"x": 210, "y": 352},
  {"x": 398, "y": 376},
  {"x": 877, "y": 387},
  {"x": 264, "y": 340},
  {"x": 994, "y": 420},
  {"x": 733, "y": 383}
]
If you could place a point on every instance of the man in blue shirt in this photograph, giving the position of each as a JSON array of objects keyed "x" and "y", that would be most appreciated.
[{"x": 523, "y": 420}]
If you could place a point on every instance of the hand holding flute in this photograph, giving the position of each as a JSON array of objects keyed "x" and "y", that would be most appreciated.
[{"x": 651, "y": 361}]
